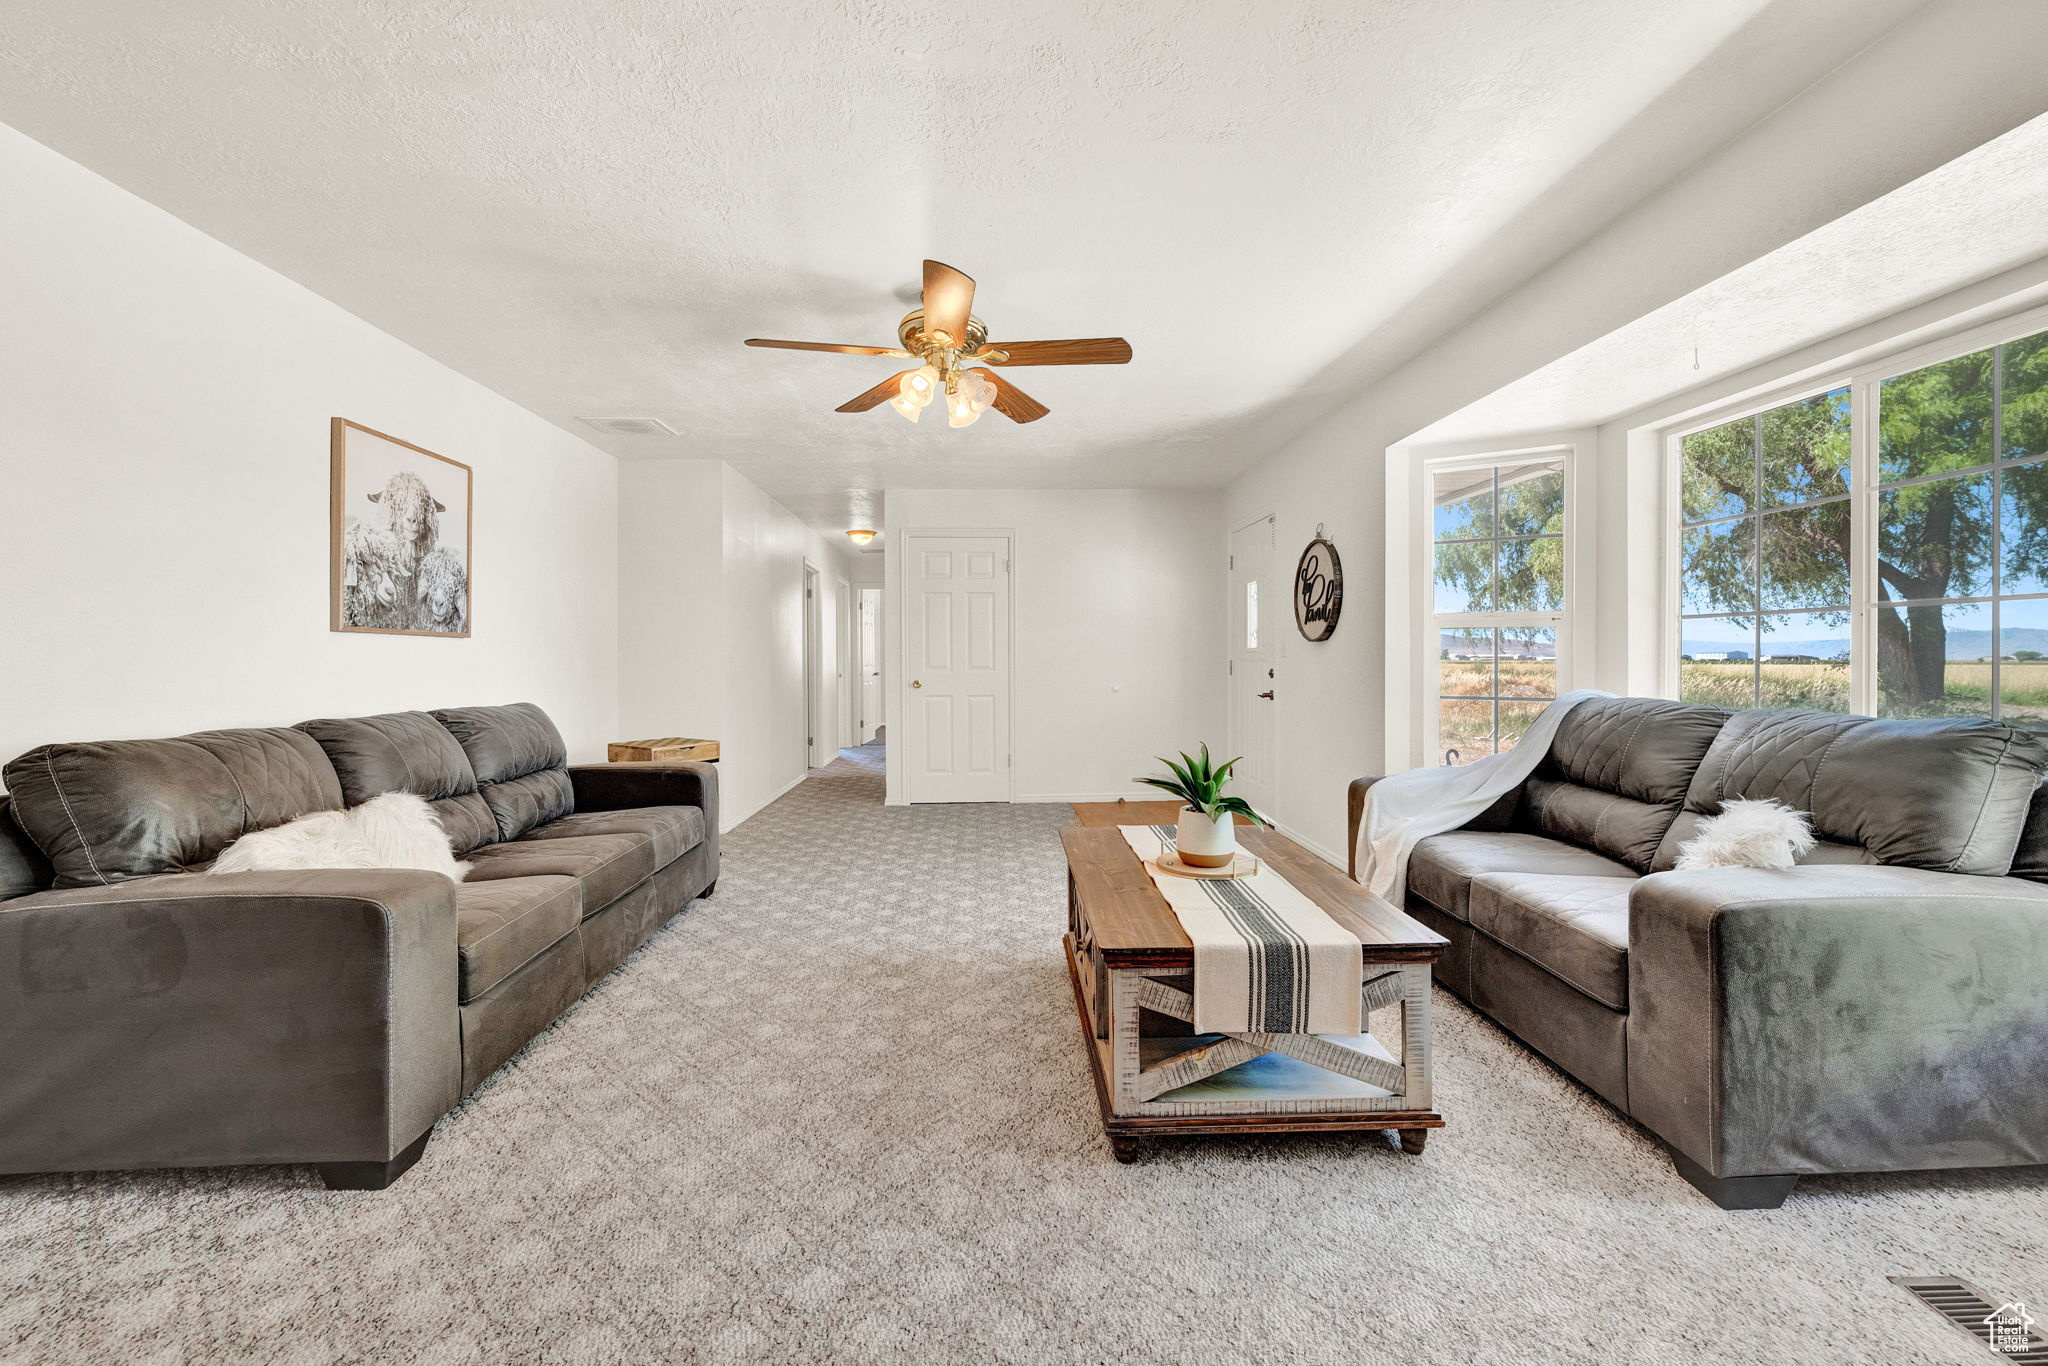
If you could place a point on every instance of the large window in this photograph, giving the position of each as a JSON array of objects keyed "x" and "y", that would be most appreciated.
[
  {"x": 1947, "y": 503},
  {"x": 1764, "y": 587},
  {"x": 1498, "y": 539}
]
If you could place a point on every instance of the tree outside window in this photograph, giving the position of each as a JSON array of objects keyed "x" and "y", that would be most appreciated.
[{"x": 1960, "y": 540}]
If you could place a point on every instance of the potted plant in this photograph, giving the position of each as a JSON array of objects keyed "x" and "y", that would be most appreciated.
[{"x": 1207, "y": 835}]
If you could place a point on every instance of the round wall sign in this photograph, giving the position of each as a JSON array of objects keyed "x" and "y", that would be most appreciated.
[{"x": 1318, "y": 589}]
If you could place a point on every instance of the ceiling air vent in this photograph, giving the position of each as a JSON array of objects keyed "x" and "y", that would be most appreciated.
[{"x": 630, "y": 426}]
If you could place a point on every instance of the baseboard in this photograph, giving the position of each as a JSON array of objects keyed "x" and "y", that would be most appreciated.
[
  {"x": 1337, "y": 861},
  {"x": 1124, "y": 795}
]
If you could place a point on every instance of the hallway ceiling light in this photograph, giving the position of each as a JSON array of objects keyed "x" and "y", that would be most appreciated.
[
  {"x": 945, "y": 333},
  {"x": 863, "y": 537}
]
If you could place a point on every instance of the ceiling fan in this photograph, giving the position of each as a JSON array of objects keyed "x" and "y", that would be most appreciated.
[{"x": 945, "y": 334}]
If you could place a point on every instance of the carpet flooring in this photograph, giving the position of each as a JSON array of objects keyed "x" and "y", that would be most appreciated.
[{"x": 840, "y": 1113}]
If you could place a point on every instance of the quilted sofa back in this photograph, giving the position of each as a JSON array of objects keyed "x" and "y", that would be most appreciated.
[
  {"x": 520, "y": 762},
  {"x": 109, "y": 810},
  {"x": 1949, "y": 795},
  {"x": 88, "y": 814},
  {"x": 408, "y": 751},
  {"x": 1617, "y": 775}
]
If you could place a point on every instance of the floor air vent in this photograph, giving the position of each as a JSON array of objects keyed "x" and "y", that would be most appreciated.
[{"x": 2004, "y": 1326}]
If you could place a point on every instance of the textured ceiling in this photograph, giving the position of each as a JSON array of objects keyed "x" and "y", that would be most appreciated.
[
  {"x": 1974, "y": 217},
  {"x": 588, "y": 206}
]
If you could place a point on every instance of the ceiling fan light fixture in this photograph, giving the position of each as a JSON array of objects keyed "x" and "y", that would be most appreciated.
[
  {"x": 919, "y": 385},
  {"x": 860, "y": 537},
  {"x": 907, "y": 407}
]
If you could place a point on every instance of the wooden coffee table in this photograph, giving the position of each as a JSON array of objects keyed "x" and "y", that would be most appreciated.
[{"x": 1133, "y": 973}]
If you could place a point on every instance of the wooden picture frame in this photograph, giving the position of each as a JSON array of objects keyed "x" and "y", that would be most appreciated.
[{"x": 392, "y": 564}]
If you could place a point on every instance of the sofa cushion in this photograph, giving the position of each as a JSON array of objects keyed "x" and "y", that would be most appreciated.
[
  {"x": 407, "y": 751},
  {"x": 106, "y": 811},
  {"x": 675, "y": 830},
  {"x": 1617, "y": 773},
  {"x": 520, "y": 762},
  {"x": 1442, "y": 867},
  {"x": 502, "y": 924},
  {"x": 607, "y": 866},
  {"x": 1946, "y": 795},
  {"x": 2030, "y": 859},
  {"x": 1573, "y": 926}
]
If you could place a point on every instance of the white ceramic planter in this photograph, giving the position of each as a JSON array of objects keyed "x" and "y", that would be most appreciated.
[{"x": 1204, "y": 841}]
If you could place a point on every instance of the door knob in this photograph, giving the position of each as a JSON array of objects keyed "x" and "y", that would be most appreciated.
[
  {"x": 915, "y": 683},
  {"x": 1268, "y": 695}
]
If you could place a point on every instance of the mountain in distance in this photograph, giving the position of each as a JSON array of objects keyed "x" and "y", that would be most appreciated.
[{"x": 1961, "y": 644}]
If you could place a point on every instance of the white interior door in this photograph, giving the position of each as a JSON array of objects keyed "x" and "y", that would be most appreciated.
[
  {"x": 956, "y": 685},
  {"x": 813, "y": 663},
  {"x": 842, "y": 661},
  {"x": 1258, "y": 608},
  {"x": 870, "y": 707}
]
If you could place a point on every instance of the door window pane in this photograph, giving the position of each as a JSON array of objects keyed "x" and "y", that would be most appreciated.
[
  {"x": 2023, "y": 528},
  {"x": 1934, "y": 539},
  {"x": 1532, "y": 575},
  {"x": 1934, "y": 659},
  {"x": 1803, "y": 661},
  {"x": 1718, "y": 572},
  {"x": 2023, "y": 663},
  {"x": 1528, "y": 662},
  {"x": 1805, "y": 554},
  {"x": 1251, "y": 614},
  {"x": 1934, "y": 419},
  {"x": 1806, "y": 450},
  {"x": 1718, "y": 471},
  {"x": 1465, "y": 664},
  {"x": 1531, "y": 500},
  {"x": 1464, "y": 576}
]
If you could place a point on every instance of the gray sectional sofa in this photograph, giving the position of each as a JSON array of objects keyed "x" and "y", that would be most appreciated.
[
  {"x": 155, "y": 1017},
  {"x": 1883, "y": 1007}
]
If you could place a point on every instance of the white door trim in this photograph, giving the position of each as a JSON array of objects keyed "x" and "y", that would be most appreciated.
[
  {"x": 901, "y": 683},
  {"x": 814, "y": 656}
]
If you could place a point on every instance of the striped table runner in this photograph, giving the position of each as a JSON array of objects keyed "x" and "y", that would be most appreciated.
[{"x": 1267, "y": 959}]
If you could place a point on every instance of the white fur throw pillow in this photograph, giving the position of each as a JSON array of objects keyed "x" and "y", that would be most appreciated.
[
  {"x": 396, "y": 830},
  {"x": 1748, "y": 834}
]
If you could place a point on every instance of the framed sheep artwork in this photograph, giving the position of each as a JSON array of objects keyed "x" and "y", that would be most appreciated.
[{"x": 400, "y": 524}]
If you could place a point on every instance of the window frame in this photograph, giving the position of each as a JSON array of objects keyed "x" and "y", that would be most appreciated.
[
  {"x": 1435, "y": 623},
  {"x": 1864, "y": 379}
]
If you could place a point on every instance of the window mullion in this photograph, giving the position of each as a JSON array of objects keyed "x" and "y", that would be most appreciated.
[{"x": 1863, "y": 542}]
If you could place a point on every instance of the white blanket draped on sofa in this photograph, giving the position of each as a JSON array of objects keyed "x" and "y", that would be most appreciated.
[{"x": 1403, "y": 810}]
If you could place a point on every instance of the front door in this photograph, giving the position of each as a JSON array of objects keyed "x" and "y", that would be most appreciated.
[
  {"x": 956, "y": 684},
  {"x": 1257, "y": 609}
]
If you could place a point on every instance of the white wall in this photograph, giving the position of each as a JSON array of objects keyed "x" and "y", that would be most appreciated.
[
  {"x": 1944, "y": 81},
  {"x": 711, "y": 571},
  {"x": 672, "y": 640},
  {"x": 164, "y": 417},
  {"x": 1118, "y": 622}
]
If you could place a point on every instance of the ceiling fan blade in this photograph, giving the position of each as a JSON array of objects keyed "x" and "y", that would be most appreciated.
[
  {"x": 829, "y": 346},
  {"x": 874, "y": 397},
  {"x": 1068, "y": 351},
  {"x": 948, "y": 300},
  {"x": 1011, "y": 401}
]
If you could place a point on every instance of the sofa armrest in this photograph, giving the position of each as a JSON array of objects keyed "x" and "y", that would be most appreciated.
[
  {"x": 199, "y": 1020},
  {"x": 1839, "y": 1018},
  {"x": 1499, "y": 816},
  {"x": 1354, "y": 802},
  {"x": 617, "y": 787}
]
